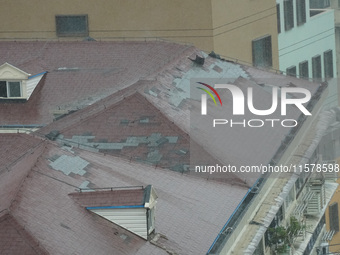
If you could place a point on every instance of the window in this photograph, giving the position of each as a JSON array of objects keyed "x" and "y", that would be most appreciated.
[
  {"x": 317, "y": 4},
  {"x": 291, "y": 71},
  {"x": 10, "y": 89},
  {"x": 303, "y": 69},
  {"x": 334, "y": 217},
  {"x": 288, "y": 14},
  {"x": 72, "y": 25},
  {"x": 338, "y": 4},
  {"x": 278, "y": 17},
  {"x": 300, "y": 12},
  {"x": 316, "y": 65},
  {"x": 262, "y": 51},
  {"x": 328, "y": 63}
]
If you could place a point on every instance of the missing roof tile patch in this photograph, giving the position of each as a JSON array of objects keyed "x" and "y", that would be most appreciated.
[
  {"x": 124, "y": 122},
  {"x": 68, "y": 165},
  {"x": 162, "y": 141},
  {"x": 182, "y": 152},
  {"x": 181, "y": 168},
  {"x": 154, "y": 156},
  {"x": 144, "y": 120},
  {"x": 85, "y": 186},
  {"x": 217, "y": 69}
]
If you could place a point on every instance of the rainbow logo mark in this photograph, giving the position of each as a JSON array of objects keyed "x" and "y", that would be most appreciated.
[{"x": 204, "y": 97}]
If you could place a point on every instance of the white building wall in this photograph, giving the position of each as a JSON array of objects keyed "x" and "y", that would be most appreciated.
[
  {"x": 31, "y": 85},
  {"x": 302, "y": 43}
]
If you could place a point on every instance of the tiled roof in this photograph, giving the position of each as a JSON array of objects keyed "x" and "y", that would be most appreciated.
[
  {"x": 186, "y": 205},
  {"x": 18, "y": 154},
  {"x": 115, "y": 197},
  {"x": 137, "y": 107},
  {"x": 79, "y": 73},
  {"x": 15, "y": 146},
  {"x": 15, "y": 240},
  {"x": 151, "y": 120}
]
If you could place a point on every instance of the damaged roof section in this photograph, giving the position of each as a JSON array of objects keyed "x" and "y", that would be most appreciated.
[{"x": 79, "y": 74}]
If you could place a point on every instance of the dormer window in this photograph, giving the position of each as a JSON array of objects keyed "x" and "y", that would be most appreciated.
[
  {"x": 16, "y": 84},
  {"x": 10, "y": 89}
]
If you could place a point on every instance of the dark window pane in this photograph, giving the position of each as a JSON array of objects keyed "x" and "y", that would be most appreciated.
[
  {"x": 278, "y": 18},
  {"x": 288, "y": 14},
  {"x": 316, "y": 65},
  {"x": 262, "y": 51},
  {"x": 328, "y": 63},
  {"x": 303, "y": 69},
  {"x": 72, "y": 25},
  {"x": 3, "y": 89},
  {"x": 291, "y": 71},
  {"x": 334, "y": 217},
  {"x": 317, "y": 4},
  {"x": 300, "y": 12},
  {"x": 14, "y": 89}
]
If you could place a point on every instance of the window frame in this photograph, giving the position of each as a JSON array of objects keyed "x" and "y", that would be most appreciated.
[
  {"x": 302, "y": 65},
  {"x": 333, "y": 221},
  {"x": 288, "y": 8},
  {"x": 300, "y": 12},
  {"x": 8, "y": 89},
  {"x": 328, "y": 67},
  {"x": 278, "y": 17},
  {"x": 291, "y": 71},
  {"x": 316, "y": 68},
  {"x": 61, "y": 33},
  {"x": 265, "y": 57}
]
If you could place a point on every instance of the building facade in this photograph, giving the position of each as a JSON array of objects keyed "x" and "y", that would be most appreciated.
[
  {"x": 306, "y": 41},
  {"x": 248, "y": 35}
]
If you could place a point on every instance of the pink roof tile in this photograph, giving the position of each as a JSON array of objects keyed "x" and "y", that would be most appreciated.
[
  {"x": 115, "y": 197},
  {"x": 79, "y": 73},
  {"x": 19, "y": 153},
  {"x": 16, "y": 240},
  {"x": 186, "y": 205}
]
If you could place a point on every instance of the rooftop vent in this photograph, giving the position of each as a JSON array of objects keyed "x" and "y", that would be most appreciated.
[{"x": 198, "y": 60}]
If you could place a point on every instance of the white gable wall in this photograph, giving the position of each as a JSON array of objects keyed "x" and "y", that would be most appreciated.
[
  {"x": 31, "y": 84},
  {"x": 132, "y": 219}
]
